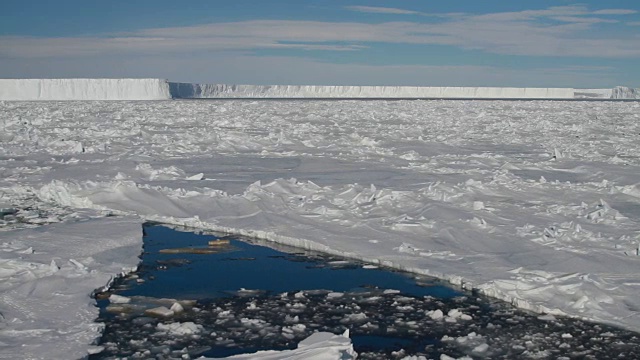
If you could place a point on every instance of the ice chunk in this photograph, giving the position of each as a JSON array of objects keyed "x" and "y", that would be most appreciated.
[
  {"x": 118, "y": 299},
  {"x": 160, "y": 311},
  {"x": 199, "y": 176},
  {"x": 186, "y": 328},
  {"x": 480, "y": 348},
  {"x": 435, "y": 314},
  {"x": 177, "y": 308}
]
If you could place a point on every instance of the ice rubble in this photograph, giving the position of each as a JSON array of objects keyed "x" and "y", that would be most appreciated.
[
  {"x": 84, "y": 89},
  {"x": 471, "y": 326}
]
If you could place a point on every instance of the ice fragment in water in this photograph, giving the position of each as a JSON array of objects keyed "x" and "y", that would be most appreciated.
[
  {"x": 176, "y": 308},
  {"x": 161, "y": 311},
  {"x": 199, "y": 176},
  {"x": 118, "y": 299}
]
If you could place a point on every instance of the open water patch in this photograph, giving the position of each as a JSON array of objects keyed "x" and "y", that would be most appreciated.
[{"x": 198, "y": 294}]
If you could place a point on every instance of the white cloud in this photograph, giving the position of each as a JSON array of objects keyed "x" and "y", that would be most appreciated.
[
  {"x": 381, "y": 10},
  {"x": 586, "y": 20},
  {"x": 615, "y": 12},
  {"x": 528, "y": 32}
]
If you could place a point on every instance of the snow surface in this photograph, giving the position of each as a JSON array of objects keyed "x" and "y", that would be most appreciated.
[
  {"x": 84, "y": 89},
  {"x": 46, "y": 277},
  {"x": 536, "y": 202}
]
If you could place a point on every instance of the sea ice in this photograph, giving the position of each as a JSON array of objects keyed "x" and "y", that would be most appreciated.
[{"x": 301, "y": 173}]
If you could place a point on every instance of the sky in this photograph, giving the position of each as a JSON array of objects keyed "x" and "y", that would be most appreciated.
[{"x": 331, "y": 42}]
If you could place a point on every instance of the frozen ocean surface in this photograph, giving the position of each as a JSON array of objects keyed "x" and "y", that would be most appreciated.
[{"x": 533, "y": 202}]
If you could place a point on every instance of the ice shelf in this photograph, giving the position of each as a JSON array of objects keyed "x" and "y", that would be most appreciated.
[
  {"x": 184, "y": 90},
  {"x": 84, "y": 89},
  {"x": 204, "y": 91},
  {"x": 160, "y": 89}
]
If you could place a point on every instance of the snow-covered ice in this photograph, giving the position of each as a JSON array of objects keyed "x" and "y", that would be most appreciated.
[
  {"x": 318, "y": 346},
  {"x": 46, "y": 277},
  {"x": 536, "y": 203}
]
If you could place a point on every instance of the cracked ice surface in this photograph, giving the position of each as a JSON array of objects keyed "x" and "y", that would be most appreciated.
[
  {"x": 46, "y": 277},
  {"x": 535, "y": 202}
]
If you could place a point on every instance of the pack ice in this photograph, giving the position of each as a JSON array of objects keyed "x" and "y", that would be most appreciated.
[{"x": 534, "y": 202}]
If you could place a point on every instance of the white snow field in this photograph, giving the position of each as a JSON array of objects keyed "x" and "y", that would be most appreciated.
[{"x": 534, "y": 202}]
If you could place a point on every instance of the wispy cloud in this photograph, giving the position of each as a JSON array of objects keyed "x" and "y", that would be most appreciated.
[
  {"x": 615, "y": 12},
  {"x": 585, "y": 20},
  {"x": 381, "y": 10},
  {"x": 555, "y": 31}
]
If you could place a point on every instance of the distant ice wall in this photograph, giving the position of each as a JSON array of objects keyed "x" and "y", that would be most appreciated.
[
  {"x": 621, "y": 92},
  {"x": 593, "y": 93},
  {"x": 618, "y": 92},
  {"x": 84, "y": 89},
  {"x": 185, "y": 90},
  {"x": 159, "y": 89}
]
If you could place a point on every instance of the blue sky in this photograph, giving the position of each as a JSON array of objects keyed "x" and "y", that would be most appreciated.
[{"x": 330, "y": 42}]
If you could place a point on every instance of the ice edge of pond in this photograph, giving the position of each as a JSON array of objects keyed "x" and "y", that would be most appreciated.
[{"x": 270, "y": 237}]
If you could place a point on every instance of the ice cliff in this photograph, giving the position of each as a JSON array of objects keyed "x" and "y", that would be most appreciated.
[
  {"x": 203, "y": 91},
  {"x": 622, "y": 92},
  {"x": 185, "y": 90},
  {"x": 159, "y": 89},
  {"x": 84, "y": 89},
  {"x": 618, "y": 92}
]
